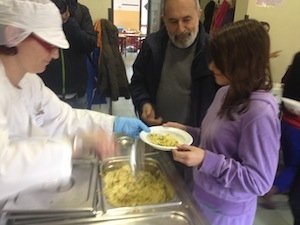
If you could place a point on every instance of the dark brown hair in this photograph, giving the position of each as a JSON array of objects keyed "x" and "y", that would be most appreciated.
[
  {"x": 8, "y": 50},
  {"x": 241, "y": 52},
  {"x": 266, "y": 25}
]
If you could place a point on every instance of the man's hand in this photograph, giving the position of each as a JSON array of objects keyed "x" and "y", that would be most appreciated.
[{"x": 148, "y": 115}]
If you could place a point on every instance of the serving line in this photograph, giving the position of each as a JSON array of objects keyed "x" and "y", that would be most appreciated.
[{"x": 181, "y": 210}]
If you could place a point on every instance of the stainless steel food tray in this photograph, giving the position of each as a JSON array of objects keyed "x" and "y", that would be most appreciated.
[
  {"x": 79, "y": 195},
  {"x": 117, "y": 162},
  {"x": 158, "y": 218},
  {"x": 182, "y": 210},
  {"x": 125, "y": 143}
]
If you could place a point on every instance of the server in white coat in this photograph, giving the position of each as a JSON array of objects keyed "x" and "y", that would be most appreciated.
[{"x": 39, "y": 134}]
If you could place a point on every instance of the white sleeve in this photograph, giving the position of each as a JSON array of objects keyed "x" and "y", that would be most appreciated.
[
  {"x": 28, "y": 160},
  {"x": 32, "y": 162},
  {"x": 59, "y": 119}
]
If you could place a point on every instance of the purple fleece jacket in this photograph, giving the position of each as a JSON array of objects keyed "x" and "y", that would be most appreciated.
[{"x": 241, "y": 156}]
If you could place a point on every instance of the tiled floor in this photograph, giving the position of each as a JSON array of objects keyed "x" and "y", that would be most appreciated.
[{"x": 279, "y": 216}]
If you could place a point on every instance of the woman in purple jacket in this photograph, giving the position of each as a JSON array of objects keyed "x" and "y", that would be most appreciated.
[{"x": 239, "y": 137}]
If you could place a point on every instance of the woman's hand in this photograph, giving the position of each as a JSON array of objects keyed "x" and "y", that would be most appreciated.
[
  {"x": 104, "y": 145},
  {"x": 189, "y": 155},
  {"x": 130, "y": 126},
  {"x": 176, "y": 125},
  {"x": 100, "y": 142}
]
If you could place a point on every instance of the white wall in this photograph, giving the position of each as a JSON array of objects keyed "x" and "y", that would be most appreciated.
[
  {"x": 98, "y": 8},
  {"x": 241, "y": 8},
  {"x": 284, "y": 31},
  {"x": 127, "y": 5}
]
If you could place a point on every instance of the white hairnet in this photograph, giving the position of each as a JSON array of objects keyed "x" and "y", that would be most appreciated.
[{"x": 20, "y": 18}]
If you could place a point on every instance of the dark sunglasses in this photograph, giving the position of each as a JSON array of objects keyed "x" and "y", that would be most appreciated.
[{"x": 46, "y": 45}]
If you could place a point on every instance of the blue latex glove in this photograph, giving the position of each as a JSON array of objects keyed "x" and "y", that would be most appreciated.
[{"x": 130, "y": 126}]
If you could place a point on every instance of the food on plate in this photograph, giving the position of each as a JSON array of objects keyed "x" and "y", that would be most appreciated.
[
  {"x": 163, "y": 139},
  {"x": 121, "y": 188}
]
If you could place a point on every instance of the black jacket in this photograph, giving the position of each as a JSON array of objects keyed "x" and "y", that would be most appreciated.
[
  {"x": 147, "y": 72},
  {"x": 80, "y": 33},
  {"x": 208, "y": 14},
  {"x": 291, "y": 79}
]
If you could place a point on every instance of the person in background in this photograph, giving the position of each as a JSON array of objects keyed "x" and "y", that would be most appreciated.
[
  {"x": 291, "y": 90},
  {"x": 290, "y": 135},
  {"x": 171, "y": 80},
  {"x": 238, "y": 143},
  {"x": 39, "y": 133},
  {"x": 223, "y": 15},
  {"x": 67, "y": 75},
  {"x": 209, "y": 14}
]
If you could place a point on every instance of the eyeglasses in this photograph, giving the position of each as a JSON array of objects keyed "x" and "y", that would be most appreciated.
[{"x": 46, "y": 45}]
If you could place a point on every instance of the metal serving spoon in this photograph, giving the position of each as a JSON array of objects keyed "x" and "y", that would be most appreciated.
[{"x": 137, "y": 158}]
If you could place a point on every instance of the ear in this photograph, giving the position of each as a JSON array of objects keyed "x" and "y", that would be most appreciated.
[{"x": 199, "y": 13}]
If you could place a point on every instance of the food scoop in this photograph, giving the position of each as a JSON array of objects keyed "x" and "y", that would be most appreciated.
[{"x": 137, "y": 158}]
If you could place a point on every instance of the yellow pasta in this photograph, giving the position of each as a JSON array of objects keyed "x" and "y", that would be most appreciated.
[
  {"x": 122, "y": 189},
  {"x": 163, "y": 139}
]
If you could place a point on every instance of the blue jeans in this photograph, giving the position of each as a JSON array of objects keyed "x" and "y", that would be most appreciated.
[{"x": 77, "y": 102}]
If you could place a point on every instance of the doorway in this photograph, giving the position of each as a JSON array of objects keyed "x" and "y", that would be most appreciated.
[{"x": 130, "y": 15}]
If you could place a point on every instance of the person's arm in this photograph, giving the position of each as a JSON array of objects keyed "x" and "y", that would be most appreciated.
[
  {"x": 29, "y": 157},
  {"x": 32, "y": 162},
  {"x": 139, "y": 85},
  {"x": 258, "y": 152},
  {"x": 58, "y": 118},
  {"x": 253, "y": 169}
]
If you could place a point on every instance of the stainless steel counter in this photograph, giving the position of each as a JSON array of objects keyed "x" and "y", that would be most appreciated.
[{"x": 73, "y": 205}]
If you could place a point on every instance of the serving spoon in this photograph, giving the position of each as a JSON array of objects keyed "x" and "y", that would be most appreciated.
[{"x": 137, "y": 158}]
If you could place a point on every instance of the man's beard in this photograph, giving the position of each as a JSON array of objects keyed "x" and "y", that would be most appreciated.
[{"x": 185, "y": 39}]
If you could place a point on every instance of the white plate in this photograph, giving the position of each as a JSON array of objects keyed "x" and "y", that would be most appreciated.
[
  {"x": 182, "y": 136},
  {"x": 292, "y": 106}
]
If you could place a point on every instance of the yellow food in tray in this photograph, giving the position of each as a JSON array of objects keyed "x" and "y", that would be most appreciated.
[
  {"x": 167, "y": 140},
  {"x": 149, "y": 187}
]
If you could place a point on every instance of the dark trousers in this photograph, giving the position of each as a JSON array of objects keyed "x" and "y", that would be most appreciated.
[
  {"x": 294, "y": 198},
  {"x": 290, "y": 143},
  {"x": 76, "y": 102}
]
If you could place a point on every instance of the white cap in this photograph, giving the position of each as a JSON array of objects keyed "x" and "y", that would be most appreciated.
[{"x": 20, "y": 18}]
